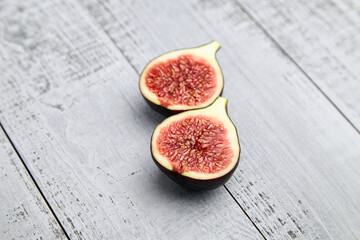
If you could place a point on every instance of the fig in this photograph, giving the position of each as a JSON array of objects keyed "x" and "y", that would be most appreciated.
[
  {"x": 198, "y": 149},
  {"x": 184, "y": 79}
]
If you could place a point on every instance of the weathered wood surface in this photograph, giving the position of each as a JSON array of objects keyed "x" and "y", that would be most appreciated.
[
  {"x": 299, "y": 172},
  {"x": 70, "y": 103},
  {"x": 71, "y": 106},
  {"x": 23, "y": 212},
  {"x": 323, "y": 38}
]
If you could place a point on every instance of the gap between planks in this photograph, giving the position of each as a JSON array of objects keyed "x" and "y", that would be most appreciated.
[
  {"x": 35, "y": 183},
  {"x": 242, "y": 209},
  {"x": 278, "y": 45}
]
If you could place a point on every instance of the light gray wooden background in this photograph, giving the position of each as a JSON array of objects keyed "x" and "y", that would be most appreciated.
[{"x": 74, "y": 144}]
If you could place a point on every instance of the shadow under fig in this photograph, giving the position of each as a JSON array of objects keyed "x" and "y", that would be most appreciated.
[
  {"x": 167, "y": 186},
  {"x": 149, "y": 116}
]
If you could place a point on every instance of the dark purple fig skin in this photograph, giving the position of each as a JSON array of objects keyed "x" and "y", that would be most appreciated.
[
  {"x": 195, "y": 184},
  {"x": 167, "y": 112},
  {"x": 160, "y": 109}
]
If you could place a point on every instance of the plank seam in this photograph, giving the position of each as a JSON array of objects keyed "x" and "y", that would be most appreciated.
[
  {"x": 33, "y": 179},
  {"x": 278, "y": 45},
  {"x": 242, "y": 209}
]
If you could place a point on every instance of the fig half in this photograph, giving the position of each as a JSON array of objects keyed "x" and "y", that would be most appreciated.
[
  {"x": 198, "y": 149},
  {"x": 184, "y": 79}
]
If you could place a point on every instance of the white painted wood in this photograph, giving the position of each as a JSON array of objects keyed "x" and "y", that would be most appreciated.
[
  {"x": 23, "y": 212},
  {"x": 299, "y": 170},
  {"x": 323, "y": 37},
  {"x": 71, "y": 104}
]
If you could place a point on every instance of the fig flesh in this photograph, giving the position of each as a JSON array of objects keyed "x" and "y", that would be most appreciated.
[
  {"x": 184, "y": 79},
  {"x": 198, "y": 149}
]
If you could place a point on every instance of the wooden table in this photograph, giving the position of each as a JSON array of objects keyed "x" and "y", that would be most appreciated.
[{"x": 74, "y": 145}]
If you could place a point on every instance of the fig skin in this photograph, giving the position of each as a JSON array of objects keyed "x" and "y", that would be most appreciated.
[
  {"x": 208, "y": 54},
  {"x": 195, "y": 184},
  {"x": 163, "y": 111},
  {"x": 167, "y": 112},
  {"x": 192, "y": 182}
]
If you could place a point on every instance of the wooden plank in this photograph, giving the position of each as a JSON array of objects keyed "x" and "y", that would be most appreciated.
[
  {"x": 322, "y": 36},
  {"x": 71, "y": 104},
  {"x": 299, "y": 170},
  {"x": 23, "y": 212}
]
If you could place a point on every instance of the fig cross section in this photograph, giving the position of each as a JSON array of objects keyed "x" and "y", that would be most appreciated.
[
  {"x": 199, "y": 148},
  {"x": 184, "y": 79},
  {"x": 197, "y": 144}
]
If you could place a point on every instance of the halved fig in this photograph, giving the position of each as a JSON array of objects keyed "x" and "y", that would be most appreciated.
[
  {"x": 198, "y": 149},
  {"x": 183, "y": 79}
]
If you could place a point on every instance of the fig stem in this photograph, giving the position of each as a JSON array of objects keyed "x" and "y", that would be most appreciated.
[
  {"x": 220, "y": 103},
  {"x": 213, "y": 46}
]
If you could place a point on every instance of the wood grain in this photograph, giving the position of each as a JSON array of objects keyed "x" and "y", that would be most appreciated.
[
  {"x": 23, "y": 212},
  {"x": 299, "y": 170},
  {"x": 70, "y": 103},
  {"x": 323, "y": 38}
]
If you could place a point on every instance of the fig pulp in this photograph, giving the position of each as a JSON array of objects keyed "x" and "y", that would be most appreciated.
[
  {"x": 199, "y": 149},
  {"x": 183, "y": 79}
]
